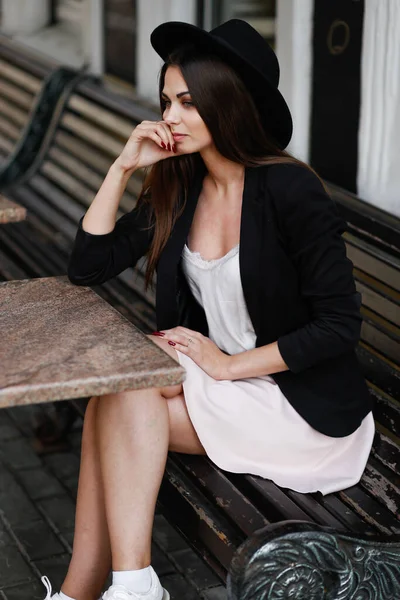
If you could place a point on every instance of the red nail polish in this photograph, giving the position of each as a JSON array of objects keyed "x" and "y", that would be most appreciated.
[
  {"x": 159, "y": 333},
  {"x": 169, "y": 147},
  {"x": 174, "y": 148},
  {"x": 171, "y": 343},
  {"x": 163, "y": 145}
]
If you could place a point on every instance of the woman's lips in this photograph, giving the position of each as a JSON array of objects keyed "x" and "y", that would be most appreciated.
[{"x": 178, "y": 136}]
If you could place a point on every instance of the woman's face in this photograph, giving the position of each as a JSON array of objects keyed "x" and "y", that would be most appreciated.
[{"x": 189, "y": 130}]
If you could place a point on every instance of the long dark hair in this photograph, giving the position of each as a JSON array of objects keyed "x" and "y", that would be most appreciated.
[{"x": 231, "y": 116}]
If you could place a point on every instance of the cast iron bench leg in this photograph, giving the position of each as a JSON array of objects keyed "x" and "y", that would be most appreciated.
[{"x": 296, "y": 560}]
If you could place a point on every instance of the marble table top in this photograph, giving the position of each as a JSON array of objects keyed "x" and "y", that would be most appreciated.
[
  {"x": 59, "y": 341},
  {"x": 10, "y": 212}
]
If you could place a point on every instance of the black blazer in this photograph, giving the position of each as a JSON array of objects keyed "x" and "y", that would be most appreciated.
[{"x": 297, "y": 283}]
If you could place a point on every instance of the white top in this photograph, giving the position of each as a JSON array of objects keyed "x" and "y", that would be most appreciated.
[{"x": 214, "y": 285}]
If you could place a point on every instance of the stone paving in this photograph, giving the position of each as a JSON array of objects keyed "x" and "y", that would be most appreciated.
[{"x": 37, "y": 506}]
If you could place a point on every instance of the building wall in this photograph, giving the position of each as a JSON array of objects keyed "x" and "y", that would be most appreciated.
[{"x": 378, "y": 168}]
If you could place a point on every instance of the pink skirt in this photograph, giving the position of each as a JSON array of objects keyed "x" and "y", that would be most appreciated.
[{"x": 248, "y": 426}]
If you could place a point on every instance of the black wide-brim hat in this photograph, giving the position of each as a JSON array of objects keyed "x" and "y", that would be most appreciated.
[{"x": 242, "y": 47}]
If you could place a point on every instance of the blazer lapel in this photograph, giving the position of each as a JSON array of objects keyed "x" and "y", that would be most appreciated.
[
  {"x": 167, "y": 270},
  {"x": 251, "y": 243}
]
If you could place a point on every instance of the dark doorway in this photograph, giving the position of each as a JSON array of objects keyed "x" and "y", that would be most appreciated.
[
  {"x": 337, "y": 39},
  {"x": 120, "y": 39}
]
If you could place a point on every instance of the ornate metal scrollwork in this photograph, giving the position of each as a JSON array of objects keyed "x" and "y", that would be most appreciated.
[
  {"x": 41, "y": 126},
  {"x": 295, "y": 560}
]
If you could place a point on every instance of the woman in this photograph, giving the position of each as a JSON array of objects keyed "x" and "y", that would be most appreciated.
[{"x": 255, "y": 298}]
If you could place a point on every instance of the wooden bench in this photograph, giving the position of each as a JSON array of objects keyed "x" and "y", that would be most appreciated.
[{"x": 215, "y": 510}]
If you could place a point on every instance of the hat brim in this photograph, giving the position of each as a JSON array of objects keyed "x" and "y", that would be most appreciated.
[{"x": 271, "y": 104}]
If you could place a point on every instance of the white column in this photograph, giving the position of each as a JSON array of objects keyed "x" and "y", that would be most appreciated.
[
  {"x": 294, "y": 50},
  {"x": 379, "y": 132},
  {"x": 149, "y": 15},
  {"x": 92, "y": 32},
  {"x": 24, "y": 16}
]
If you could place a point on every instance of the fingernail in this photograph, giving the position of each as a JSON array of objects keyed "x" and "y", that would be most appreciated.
[
  {"x": 163, "y": 145},
  {"x": 159, "y": 333},
  {"x": 174, "y": 148},
  {"x": 171, "y": 343},
  {"x": 169, "y": 147}
]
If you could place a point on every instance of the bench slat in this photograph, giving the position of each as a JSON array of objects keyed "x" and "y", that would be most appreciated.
[
  {"x": 384, "y": 490},
  {"x": 387, "y": 451},
  {"x": 276, "y": 499},
  {"x": 218, "y": 486},
  {"x": 371, "y": 510},
  {"x": 91, "y": 134},
  {"x": 380, "y": 265},
  {"x": 380, "y": 334},
  {"x": 13, "y": 94},
  {"x": 95, "y": 159},
  {"x": 9, "y": 130},
  {"x": 23, "y": 79},
  {"x": 379, "y": 370},
  {"x": 59, "y": 161},
  {"x": 102, "y": 118},
  {"x": 383, "y": 301},
  {"x": 17, "y": 116}
]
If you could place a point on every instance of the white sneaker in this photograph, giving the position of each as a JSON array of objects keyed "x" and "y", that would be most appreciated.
[
  {"x": 47, "y": 585},
  {"x": 120, "y": 592}
]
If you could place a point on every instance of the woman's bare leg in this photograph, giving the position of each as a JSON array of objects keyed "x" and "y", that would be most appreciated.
[{"x": 91, "y": 559}]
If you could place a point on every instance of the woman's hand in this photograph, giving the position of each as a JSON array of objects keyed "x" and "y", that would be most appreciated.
[
  {"x": 149, "y": 142},
  {"x": 200, "y": 349}
]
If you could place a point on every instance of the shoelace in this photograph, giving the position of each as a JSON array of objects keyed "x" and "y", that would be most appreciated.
[
  {"x": 47, "y": 585},
  {"x": 122, "y": 594}
]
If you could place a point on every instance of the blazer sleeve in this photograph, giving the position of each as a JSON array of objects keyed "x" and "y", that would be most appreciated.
[
  {"x": 312, "y": 228},
  {"x": 97, "y": 258}
]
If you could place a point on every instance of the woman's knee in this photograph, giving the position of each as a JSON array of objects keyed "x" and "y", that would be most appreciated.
[
  {"x": 89, "y": 423},
  {"x": 182, "y": 435},
  {"x": 172, "y": 390},
  {"x": 91, "y": 408}
]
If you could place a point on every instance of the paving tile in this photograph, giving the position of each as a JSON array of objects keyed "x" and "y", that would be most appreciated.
[
  {"x": 5, "y": 538},
  {"x": 5, "y": 418},
  {"x": 55, "y": 568},
  {"x": 38, "y": 539},
  {"x": 65, "y": 465},
  {"x": 13, "y": 568},
  {"x": 160, "y": 562},
  {"x": 72, "y": 485},
  {"x": 61, "y": 511},
  {"x": 217, "y": 593},
  {"x": 8, "y": 431},
  {"x": 166, "y": 536},
  {"x": 179, "y": 588},
  {"x": 25, "y": 417},
  {"x": 28, "y": 591},
  {"x": 19, "y": 454},
  {"x": 194, "y": 569},
  {"x": 40, "y": 483},
  {"x": 75, "y": 439},
  {"x": 14, "y": 501},
  {"x": 69, "y": 537}
]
